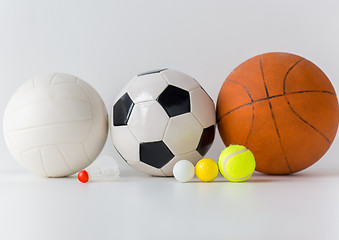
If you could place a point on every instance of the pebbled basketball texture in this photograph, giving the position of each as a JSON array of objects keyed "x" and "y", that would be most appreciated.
[{"x": 280, "y": 106}]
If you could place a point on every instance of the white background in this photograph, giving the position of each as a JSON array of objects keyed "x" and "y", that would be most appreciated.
[{"x": 106, "y": 43}]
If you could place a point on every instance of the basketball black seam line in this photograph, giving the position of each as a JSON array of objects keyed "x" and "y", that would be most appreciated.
[
  {"x": 295, "y": 113},
  {"x": 288, "y": 71},
  {"x": 263, "y": 76},
  {"x": 252, "y": 123},
  {"x": 252, "y": 126},
  {"x": 274, "y": 96},
  {"x": 293, "y": 110},
  {"x": 273, "y": 117},
  {"x": 248, "y": 93}
]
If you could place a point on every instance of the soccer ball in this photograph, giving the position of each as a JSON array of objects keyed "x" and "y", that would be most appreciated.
[
  {"x": 55, "y": 125},
  {"x": 160, "y": 118}
]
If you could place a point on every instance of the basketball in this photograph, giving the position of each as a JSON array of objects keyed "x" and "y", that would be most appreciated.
[{"x": 280, "y": 106}]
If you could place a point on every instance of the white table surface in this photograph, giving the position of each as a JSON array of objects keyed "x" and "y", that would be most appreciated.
[{"x": 301, "y": 206}]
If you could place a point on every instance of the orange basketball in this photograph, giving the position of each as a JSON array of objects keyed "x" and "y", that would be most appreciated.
[{"x": 283, "y": 108}]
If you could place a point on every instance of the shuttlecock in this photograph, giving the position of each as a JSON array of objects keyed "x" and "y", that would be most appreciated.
[{"x": 104, "y": 168}]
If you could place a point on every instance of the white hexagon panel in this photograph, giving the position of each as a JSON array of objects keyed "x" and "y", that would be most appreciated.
[
  {"x": 193, "y": 157},
  {"x": 126, "y": 144},
  {"x": 148, "y": 121},
  {"x": 144, "y": 167},
  {"x": 183, "y": 134},
  {"x": 202, "y": 107},
  {"x": 180, "y": 79},
  {"x": 162, "y": 117},
  {"x": 147, "y": 87}
]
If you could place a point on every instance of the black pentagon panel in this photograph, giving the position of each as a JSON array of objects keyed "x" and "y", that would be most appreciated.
[
  {"x": 122, "y": 110},
  {"x": 206, "y": 140},
  {"x": 175, "y": 101},
  {"x": 150, "y": 72},
  {"x": 155, "y": 154}
]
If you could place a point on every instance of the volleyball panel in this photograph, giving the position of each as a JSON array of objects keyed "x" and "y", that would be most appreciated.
[{"x": 97, "y": 135}]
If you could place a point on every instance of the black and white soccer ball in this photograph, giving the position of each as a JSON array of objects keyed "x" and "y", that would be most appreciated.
[{"x": 161, "y": 117}]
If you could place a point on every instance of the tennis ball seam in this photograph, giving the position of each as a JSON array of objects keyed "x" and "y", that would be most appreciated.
[{"x": 231, "y": 155}]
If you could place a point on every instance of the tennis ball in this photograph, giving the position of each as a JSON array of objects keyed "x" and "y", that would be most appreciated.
[
  {"x": 206, "y": 170},
  {"x": 236, "y": 163}
]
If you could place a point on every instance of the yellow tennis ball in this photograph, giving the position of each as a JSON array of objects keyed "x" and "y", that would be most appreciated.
[
  {"x": 236, "y": 163},
  {"x": 206, "y": 170}
]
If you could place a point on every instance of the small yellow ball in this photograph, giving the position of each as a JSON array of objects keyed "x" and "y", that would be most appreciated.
[{"x": 206, "y": 170}]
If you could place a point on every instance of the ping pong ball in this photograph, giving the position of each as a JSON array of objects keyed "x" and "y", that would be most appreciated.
[{"x": 183, "y": 171}]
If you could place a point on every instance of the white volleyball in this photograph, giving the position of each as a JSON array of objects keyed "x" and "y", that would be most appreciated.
[{"x": 55, "y": 125}]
